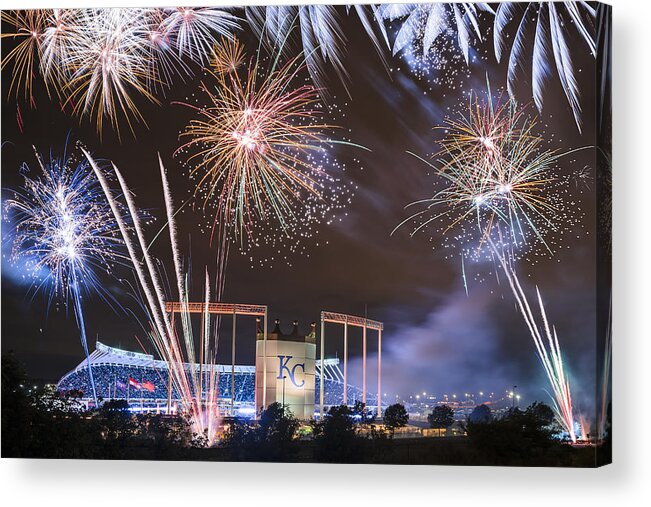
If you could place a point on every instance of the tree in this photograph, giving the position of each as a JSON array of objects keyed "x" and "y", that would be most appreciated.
[
  {"x": 360, "y": 414},
  {"x": 480, "y": 414},
  {"x": 442, "y": 417},
  {"x": 395, "y": 416},
  {"x": 278, "y": 424},
  {"x": 518, "y": 437},
  {"x": 271, "y": 439},
  {"x": 167, "y": 433},
  {"x": 115, "y": 407},
  {"x": 540, "y": 414},
  {"x": 336, "y": 438},
  {"x": 39, "y": 422},
  {"x": 119, "y": 428}
]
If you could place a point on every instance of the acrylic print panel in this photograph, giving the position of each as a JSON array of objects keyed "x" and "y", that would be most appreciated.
[{"x": 370, "y": 233}]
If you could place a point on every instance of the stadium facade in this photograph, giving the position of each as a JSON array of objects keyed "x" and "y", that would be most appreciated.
[{"x": 293, "y": 376}]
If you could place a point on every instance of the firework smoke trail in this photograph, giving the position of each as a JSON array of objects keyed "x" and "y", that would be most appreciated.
[
  {"x": 499, "y": 204},
  {"x": 584, "y": 428},
  {"x": 66, "y": 234},
  {"x": 99, "y": 60},
  {"x": 178, "y": 352},
  {"x": 176, "y": 256}
]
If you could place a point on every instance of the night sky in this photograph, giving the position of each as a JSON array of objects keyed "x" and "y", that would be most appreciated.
[{"x": 437, "y": 339}]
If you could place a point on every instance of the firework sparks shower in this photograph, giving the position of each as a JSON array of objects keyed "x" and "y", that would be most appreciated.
[
  {"x": 65, "y": 236},
  {"x": 196, "y": 387},
  {"x": 548, "y": 349}
]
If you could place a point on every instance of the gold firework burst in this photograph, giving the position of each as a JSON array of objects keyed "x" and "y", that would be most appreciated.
[
  {"x": 27, "y": 26},
  {"x": 253, "y": 146},
  {"x": 227, "y": 56}
]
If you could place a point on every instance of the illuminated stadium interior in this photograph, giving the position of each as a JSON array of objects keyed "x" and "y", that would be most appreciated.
[{"x": 113, "y": 368}]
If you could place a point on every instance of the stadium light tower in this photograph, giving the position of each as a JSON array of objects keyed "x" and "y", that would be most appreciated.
[
  {"x": 364, "y": 323},
  {"x": 233, "y": 309}
]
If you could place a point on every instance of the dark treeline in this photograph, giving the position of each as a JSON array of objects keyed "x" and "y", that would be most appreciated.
[{"x": 40, "y": 423}]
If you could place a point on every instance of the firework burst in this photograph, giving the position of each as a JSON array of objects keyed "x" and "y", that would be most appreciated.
[
  {"x": 27, "y": 29},
  {"x": 500, "y": 183},
  {"x": 259, "y": 148},
  {"x": 98, "y": 61},
  {"x": 227, "y": 56},
  {"x": 318, "y": 30},
  {"x": 65, "y": 235}
]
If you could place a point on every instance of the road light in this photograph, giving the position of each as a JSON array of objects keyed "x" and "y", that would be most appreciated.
[{"x": 284, "y": 377}]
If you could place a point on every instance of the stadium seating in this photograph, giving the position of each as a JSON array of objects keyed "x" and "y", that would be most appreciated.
[{"x": 112, "y": 382}]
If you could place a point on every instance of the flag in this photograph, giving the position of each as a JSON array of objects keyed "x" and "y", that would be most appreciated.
[
  {"x": 120, "y": 385},
  {"x": 134, "y": 383},
  {"x": 148, "y": 385}
]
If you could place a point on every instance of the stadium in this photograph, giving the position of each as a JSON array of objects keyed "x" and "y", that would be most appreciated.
[{"x": 144, "y": 383}]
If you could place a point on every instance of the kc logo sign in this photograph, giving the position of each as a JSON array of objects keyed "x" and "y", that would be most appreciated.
[{"x": 283, "y": 366}]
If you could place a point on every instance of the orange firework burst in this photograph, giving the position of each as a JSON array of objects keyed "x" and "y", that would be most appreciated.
[
  {"x": 28, "y": 27},
  {"x": 227, "y": 56},
  {"x": 101, "y": 61},
  {"x": 253, "y": 146}
]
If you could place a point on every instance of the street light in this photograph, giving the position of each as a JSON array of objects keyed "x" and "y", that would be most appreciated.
[{"x": 284, "y": 377}]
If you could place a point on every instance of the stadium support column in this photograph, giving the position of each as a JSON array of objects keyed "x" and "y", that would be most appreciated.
[
  {"x": 346, "y": 361},
  {"x": 169, "y": 391},
  {"x": 264, "y": 355},
  {"x": 233, "y": 363},
  {"x": 142, "y": 394},
  {"x": 322, "y": 369},
  {"x": 200, "y": 393},
  {"x": 169, "y": 376},
  {"x": 379, "y": 372},
  {"x": 364, "y": 364}
]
